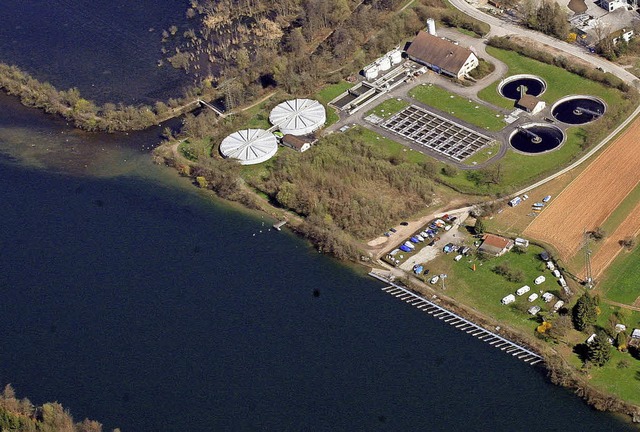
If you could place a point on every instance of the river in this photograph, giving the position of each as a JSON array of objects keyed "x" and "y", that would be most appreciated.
[{"x": 135, "y": 299}]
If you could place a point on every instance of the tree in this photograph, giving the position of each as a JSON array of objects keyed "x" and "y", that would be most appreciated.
[
  {"x": 585, "y": 312},
  {"x": 599, "y": 351},
  {"x": 598, "y": 233},
  {"x": 621, "y": 341},
  {"x": 628, "y": 243},
  {"x": 479, "y": 227}
]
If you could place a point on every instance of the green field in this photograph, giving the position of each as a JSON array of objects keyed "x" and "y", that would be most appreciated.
[
  {"x": 388, "y": 108},
  {"x": 559, "y": 82},
  {"x": 622, "y": 280},
  {"x": 483, "y": 289},
  {"x": 483, "y": 155},
  {"x": 460, "y": 107}
]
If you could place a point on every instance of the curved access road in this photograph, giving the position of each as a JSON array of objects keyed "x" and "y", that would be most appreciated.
[{"x": 502, "y": 28}]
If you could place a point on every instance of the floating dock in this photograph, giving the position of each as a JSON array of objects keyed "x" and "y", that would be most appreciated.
[
  {"x": 279, "y": 225},
  {"x": 460, "y": 323}
]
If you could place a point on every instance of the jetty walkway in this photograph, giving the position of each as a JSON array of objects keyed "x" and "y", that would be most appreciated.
[{"x": 460, "y": 323}]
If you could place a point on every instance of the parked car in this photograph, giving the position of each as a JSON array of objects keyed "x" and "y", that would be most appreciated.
[
  {"x": 435, "y": 279},
  {"x": 426, "y": 272},
  {"x": 404, "y": 223},
  {"x": 393, "y": 230}
]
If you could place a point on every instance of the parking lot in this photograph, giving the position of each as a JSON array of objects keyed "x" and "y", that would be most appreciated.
[{"x": 436, "y": 133}]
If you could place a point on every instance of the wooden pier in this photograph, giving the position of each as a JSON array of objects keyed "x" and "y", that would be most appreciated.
[{"x": 460, "y": 323}]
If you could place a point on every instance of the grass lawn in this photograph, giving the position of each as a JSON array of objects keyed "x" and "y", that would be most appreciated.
[
  {"x": 460, "y": 107},
  {"x": 622, "y": 279},
  {"x": 388, "y": 108},
  {"x": 327, "y": 94},
  {"x": 392, "y": 148},
  {"x": 330, "y": 92},
  {"x": 483, "y": 289},
  {"x": 559, "y": 82},
  {"x": 619, "y": 381},
  {"x": 483, "y": 155}
]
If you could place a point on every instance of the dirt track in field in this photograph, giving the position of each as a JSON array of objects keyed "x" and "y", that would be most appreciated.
[
  {"x": 611, "y": 247},
  {"x": 591, "y": 198}
]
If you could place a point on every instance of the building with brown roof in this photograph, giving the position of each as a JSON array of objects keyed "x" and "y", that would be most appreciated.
[
  {"x": 495, "y": 245},
  {"x": 530, "y": 104},
  {"x": 298, "y": 143},
  {"x": 442, "y": 55}
]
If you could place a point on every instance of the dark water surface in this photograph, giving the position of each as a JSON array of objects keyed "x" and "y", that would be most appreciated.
[
  {"x": 108, "y": 49},
  {"x": 148, "y": 308}
]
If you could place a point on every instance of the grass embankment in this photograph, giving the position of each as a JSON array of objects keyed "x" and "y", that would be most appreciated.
[
  {"x": 460, "y": 107},
  {"x": 389, "y": 107}
]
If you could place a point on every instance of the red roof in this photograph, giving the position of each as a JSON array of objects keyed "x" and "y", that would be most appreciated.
[{"x": 495, "y": 241}]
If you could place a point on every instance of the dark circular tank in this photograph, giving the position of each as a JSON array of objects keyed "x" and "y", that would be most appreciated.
[
  {"x": 536, "y": 138},
  {"x": 578, "y": 109},
  {"x": 512, "y": 86}
]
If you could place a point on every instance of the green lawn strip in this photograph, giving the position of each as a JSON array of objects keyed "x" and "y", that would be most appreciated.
[
  {"x": 388, "y": 108},
  {"x": 483, "y": 155},
  {"x": 622, "y": 211},
  {"x": 462, "y": 108},
  {"x": 559, "y": 82},
  {"x": 330, "y": 92},
  {"x": 483, "y": 289},
  {"x": 621, "y": 282}
]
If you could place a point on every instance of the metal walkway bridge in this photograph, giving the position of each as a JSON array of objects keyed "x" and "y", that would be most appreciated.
[{"x": 460, "y": 323}]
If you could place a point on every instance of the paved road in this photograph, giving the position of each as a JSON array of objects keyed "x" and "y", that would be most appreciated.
[{"x": 502, "y": 28}]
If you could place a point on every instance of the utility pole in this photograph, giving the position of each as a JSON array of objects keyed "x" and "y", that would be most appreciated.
[{"x": 442, "y": 278}]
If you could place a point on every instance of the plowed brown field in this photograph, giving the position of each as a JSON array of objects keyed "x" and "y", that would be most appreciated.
[
  {"x": 610, "y": 247},
  {"x": 589, "y": 200}
]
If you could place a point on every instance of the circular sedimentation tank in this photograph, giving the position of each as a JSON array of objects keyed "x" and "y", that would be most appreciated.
[
  {"x": 249, "y": 146},
  {"x": 578, "y": 109},
  {"x": 298, "y": 116},
  {"x": 511, "y": 86},
  {"x": 536, "y": 138}
]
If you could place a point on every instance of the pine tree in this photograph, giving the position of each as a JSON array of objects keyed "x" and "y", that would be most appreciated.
[
  {"x": 599, "y": 352},
  {"x": 585, "y": 312}
]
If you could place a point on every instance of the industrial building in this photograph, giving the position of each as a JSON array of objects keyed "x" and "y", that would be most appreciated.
[
  {"x": 298, "y": 116},
  {"x": 441, "y": 55},
  {"x": 249, "y": 146}
]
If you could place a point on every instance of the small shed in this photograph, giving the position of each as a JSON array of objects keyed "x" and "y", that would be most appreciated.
[
  {"x": 298, "y": 143},
  {"x": 530, "y": 104}
]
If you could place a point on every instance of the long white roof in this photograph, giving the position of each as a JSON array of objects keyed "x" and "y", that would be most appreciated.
[
  {"x": 249, "y": 146},
  {"x": 298, "y": 116}
]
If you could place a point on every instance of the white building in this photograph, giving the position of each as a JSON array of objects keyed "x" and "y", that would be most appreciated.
[
  {"x": 441, "y": 55},
  {"x": 611, "y": 5}
]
